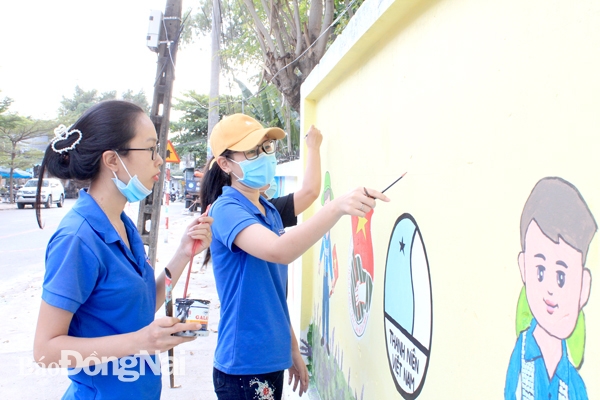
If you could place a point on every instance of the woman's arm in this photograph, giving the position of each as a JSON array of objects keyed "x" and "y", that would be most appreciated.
[
  {"x": 54, "y": 347},
  {"x": 311, "y": 183},
  {"x": 264, "y": 244},
  {"x": 298, "y": 373},
  {"x": 198, "y": 229}
]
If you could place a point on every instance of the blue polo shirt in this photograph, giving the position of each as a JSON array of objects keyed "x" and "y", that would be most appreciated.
[
  {"x": 254, "y": 330},
  {"x": 110, "y": 290}
]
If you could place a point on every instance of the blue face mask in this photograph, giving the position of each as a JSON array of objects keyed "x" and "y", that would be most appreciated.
[
  {"x": 134, "y": 190},
  {"x": 259, "y": 172},
  {"x": 270, "y": 192}
]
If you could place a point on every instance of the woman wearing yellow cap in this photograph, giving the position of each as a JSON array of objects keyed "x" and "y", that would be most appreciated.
[{"x": 250, "y": 254}]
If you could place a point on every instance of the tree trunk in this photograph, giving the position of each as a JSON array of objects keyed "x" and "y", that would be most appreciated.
[
  {"x": 13, "y": 154},
  {"x": 287, "y": 63}
]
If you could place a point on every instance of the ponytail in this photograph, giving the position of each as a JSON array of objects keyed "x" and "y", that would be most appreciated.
[{"x": 212, "y": 187}]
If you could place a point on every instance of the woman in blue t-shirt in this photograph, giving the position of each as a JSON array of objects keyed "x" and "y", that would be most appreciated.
[
  {"x": 99, "y": 293},
  {"x": 250, "y": 254}
]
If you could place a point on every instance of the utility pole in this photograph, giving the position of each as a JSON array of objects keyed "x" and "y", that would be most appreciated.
[
  {"x": 169, "y": 28},
  {"x": 215, "y": 71}
]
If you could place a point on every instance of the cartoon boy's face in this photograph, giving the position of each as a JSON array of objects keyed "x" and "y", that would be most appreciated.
[{"x": 556, "y": 283}]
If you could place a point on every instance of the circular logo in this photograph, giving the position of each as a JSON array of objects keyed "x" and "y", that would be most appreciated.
[{"x": 407, "y": 304}]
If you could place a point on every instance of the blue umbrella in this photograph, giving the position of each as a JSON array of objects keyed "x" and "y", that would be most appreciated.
[
  {"x": 22, "y": 174},
  {"x": 17, "y": 173}
]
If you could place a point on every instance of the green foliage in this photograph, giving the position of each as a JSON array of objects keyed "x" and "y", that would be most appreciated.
[
  {"x": 309, "y": 339},
  {"x": 267, "y": 108},
  {"x": 28, "y": 158},
  {"x": 16, "y": 136},
  {"x": 240, "y": 48},
  {"x": 5, "y": 104},
  {"x": 138, "y": 98},
  {"x": 72, "y": 108},
  {"x": 190, "y": 131},
  {"x": 4, "y": 151},
  {"x": 344, "y": 16},
  {"x": 267, "y": 37}
]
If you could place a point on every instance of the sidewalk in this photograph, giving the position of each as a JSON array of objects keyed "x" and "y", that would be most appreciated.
[
  {"x": 21, "y": 378},
  {"x": 7, "y": 206}
]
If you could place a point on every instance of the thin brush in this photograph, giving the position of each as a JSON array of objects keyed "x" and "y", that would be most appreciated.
[{"x": 197, "y": 244}]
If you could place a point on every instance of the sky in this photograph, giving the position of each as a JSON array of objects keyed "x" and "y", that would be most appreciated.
[{"x": 50, "y": 46}]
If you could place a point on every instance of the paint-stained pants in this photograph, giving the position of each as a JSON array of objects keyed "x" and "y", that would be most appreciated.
[{"x": 248, "y": 387}]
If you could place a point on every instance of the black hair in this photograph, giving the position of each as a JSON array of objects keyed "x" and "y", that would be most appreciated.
[
  {"x": 212, "y": 187},
  {"x": 108, "y": 125}
]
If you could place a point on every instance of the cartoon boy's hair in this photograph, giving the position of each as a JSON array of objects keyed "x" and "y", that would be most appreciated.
[{"x": 560, "y": 211}]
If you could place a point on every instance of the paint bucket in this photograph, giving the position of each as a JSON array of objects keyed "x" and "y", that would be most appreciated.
[{"x": 193, "y": 311}]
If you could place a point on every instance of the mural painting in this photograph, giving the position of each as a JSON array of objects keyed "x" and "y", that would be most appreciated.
[
  {"x": 327, "y": 259},
  {"x": 325, "y": 357},
  {"x": 557, "y": 228},
  {"x": 408, "y": 311}
]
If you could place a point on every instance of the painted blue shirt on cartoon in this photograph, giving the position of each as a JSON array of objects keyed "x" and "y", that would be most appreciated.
[
  {"x": 327, "y": 260},
  {"x": 527, "y": 377}
]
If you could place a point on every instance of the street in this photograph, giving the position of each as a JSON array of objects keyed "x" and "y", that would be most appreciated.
[{"x": 23, "y": 243}]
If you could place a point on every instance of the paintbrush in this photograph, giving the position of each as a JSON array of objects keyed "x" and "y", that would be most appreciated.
[
  {"x": 393, "y": 183},
  {"x": 384, "y": 190},
  {"x": 195, "y": 246},
  {"x": 169, "y": 313}
]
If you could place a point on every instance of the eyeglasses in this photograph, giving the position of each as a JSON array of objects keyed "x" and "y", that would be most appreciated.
[
  {"x": 268, "y": 147},
  {"x": 153, "y": 149}
]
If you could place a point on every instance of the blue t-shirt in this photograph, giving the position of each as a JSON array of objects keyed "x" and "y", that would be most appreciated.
[
  {"x": 254, "y": 330},
  {"x": 110, "y": 290},
  {"x": 534, "y": 381}
]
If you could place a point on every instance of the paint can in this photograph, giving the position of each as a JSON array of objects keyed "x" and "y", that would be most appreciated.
[{"x": 193, "y": 311}]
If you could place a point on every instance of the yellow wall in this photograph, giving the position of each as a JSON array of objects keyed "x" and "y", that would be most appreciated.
[{"x": 477, "y": 100}]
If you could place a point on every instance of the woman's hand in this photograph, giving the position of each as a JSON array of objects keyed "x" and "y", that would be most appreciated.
[
  {"x": 358, "y": 202},
  {"x": 314, "y": 138},
  {"x": 198, "y": 229},
  {"x": 158, "y": 335},
  {"x": 298, "y": 372}
]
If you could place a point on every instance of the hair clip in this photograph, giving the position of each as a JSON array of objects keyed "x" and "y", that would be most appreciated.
[{"x": 63, "y": 133}]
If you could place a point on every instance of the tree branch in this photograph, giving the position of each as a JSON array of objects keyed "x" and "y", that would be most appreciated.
[
  {"x": 299, "y": 42},
  {"x": 327, "y": 19},
  {"x": 285, "y": 24},
  {"x": 315, "y": 19},
  {"x": 277, "y": 28},
  {"x": 263, "y": 35}
]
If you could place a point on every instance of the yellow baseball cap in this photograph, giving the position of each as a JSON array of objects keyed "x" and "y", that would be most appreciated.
[{"x": 240, "y": 132}]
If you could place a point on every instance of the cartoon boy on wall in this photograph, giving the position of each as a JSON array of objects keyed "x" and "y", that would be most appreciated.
[{"x": 556, "y": 230}]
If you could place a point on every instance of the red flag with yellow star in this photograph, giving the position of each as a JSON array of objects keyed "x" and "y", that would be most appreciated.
[{"x": 363, "y": 245}]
